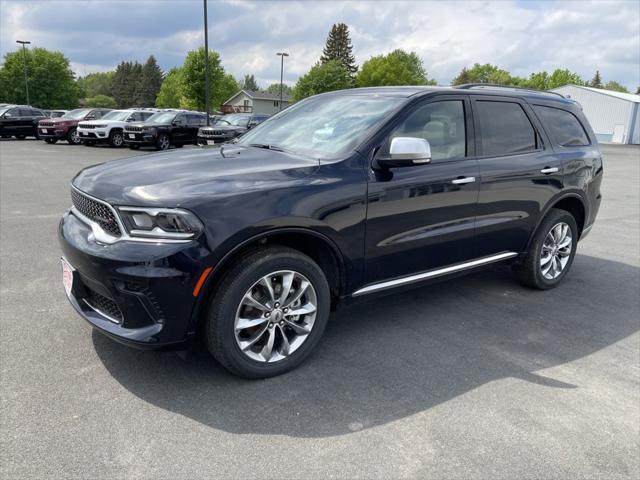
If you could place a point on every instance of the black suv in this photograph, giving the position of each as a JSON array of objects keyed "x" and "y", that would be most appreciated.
[
  {"x": 229, "y": 127},
  {"x": 341, "y": 196},
  {"x": 19, "y": 121},
  {"x": 177, "y": 128}
]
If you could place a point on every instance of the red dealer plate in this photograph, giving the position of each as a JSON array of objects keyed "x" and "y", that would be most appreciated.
[{"x": 67, "y": 276}]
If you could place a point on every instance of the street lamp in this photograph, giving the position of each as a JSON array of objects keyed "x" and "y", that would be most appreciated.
[
  {"x": 281, "y": 55},
  {"x": 206, "y": 63},
  {"x": 24, "y": 52}
]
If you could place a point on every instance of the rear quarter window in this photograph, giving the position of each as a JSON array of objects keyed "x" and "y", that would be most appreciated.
[{"x": 564, "y": 126}]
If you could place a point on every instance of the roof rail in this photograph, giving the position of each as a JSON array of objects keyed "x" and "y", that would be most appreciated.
[{"x": 469, "y": 86}]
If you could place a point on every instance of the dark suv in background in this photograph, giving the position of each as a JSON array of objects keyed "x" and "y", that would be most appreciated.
[
  {"x": 66, "y": 127},
  {"x": 229, "y": 127},
  {"x": 164, "y": 129},
  {"x": 19, "y": 121},
  {"x": 340, "y": 197}
]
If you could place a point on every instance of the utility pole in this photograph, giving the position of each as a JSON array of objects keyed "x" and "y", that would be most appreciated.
[
  {"x": 206, "y": 62},
  {"x": 24, "y": 53},
  {"x": 281, "y": 55}
]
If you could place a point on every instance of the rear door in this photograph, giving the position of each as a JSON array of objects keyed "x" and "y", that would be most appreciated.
[
  {"x": 519, "y": 173},
  {"x": 25, "y": 121},
  {"x": 194, "y": 123},
  {"x": 422, "y": 217}
]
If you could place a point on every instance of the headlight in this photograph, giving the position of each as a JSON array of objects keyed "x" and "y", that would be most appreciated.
[
  {"x": 162, "y": 223},
  {"x": 149, "y": 129}
]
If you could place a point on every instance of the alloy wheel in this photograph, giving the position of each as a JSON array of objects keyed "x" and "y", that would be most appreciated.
[
  {"x": 275, "y": 316},
  {"x": 164, "y": 142},
  {"x": 117, "y": 139},
  {"x": 75, "y": 138},
  {"x": 556, "y": 251}
]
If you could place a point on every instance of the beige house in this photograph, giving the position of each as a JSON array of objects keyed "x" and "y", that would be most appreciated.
[{"x": 247, "y": 101}]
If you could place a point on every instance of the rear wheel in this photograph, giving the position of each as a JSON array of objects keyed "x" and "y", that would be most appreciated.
[
  {"x": 72, "y": 137},
  {"x": 269, "y": 313},
  {"x": 115, "y": 138},
  {"x": 551, "y": 251},
  {"x": 163, "y": 142}
]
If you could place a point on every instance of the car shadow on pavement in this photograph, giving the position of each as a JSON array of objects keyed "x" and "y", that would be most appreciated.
[{"x": 395, "y": 356}]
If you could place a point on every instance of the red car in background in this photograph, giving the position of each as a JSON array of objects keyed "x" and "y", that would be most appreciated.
[{"x": 65, "y": 127}]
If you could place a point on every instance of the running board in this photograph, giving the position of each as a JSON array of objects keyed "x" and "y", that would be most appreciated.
[{"x": 433, "y": 273}]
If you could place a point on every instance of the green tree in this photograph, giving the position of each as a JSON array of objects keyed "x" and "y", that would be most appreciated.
[
  {"x": 486, "y": 73},
  {"x": 124, "y": 85},
  {"x": 615, "y": 86},
  {"x": 101, "y": 101},
  {"x": 339, "y": 47},
  {"x": 323, "y": 77},
  {"x": 221, "y": 85},
  {"x": 557, "y": 78},
  {"x": 596, "y": 81},
  {"x": 275, "y": 89},
  {"x": 51, "y": 81},
  {"x": 249, "y": 83},
  {"x": 170, "y": 94},
  {"x": 396, "y": 68},
  {"x": 149, "y": 83},
  {"x": 100, "y": 83}
]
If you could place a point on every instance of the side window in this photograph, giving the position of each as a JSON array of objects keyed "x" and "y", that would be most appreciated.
[
  {"x": 14, "y": 112},
  {"x": 505, "y": 129},
  {"x": 24, "y": 112},
  {"x": 145, "y": 115},
  {"x": 564, "y": 126},
  {"x": 180, "y": 119},
  {"x": 195, "y": 120},
  {"x": 37, "y": 113},
  {"x": 441, "y": 124}
]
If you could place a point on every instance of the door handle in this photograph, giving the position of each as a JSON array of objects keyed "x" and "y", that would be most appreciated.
[
  {"x": 463, "y": 180},
  {"x": 546, "y": 170}
]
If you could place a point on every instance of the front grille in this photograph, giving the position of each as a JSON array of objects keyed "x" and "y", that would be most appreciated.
[
  {"x": 46, "y": 124},
  {"x": 211, "y": 133},
  {"x": 86, "y": 125},
  {"x": 96, "y": 212},
  {"x": 130, "y": 128},
  {"x": 104, "y": 305}
]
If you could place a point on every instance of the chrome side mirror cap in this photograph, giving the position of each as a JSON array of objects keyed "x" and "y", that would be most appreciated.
[{"x": 406, "y": 152}]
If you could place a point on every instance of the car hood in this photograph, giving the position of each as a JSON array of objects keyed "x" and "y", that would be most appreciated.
[
  {"x": 223, "y": 128},
  {"x": 100, "y": 122},
  {"x": 60, "y": 121},
  {"x": 143, "y": 124},
  {"x": 189, "y": 177}
]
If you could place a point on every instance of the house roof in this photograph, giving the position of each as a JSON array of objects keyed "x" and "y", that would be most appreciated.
[
  {"x": 630, "y": 97},
  {"x": 255, "y": 95}
]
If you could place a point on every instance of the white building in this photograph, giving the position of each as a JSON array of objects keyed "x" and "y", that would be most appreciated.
[
  {"x": 614, "y": 116},
  {"x": 247, "y": 101}
]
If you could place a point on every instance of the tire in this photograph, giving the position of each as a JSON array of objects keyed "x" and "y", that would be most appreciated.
[
  {"x": 72, "y": 137},
  {"x": 50, "y": 140},
  {"x": 531, "y": 270},
  {"x": 116, "y": 139},
  {"x": 134, "y": 147},
  {"x": 228, "y": 301},
  {"x": 164, "y": 142},
  {"x": 21, "y": 137}
]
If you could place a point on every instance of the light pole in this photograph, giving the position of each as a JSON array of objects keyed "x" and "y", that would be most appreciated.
[
  {"x": 24, "y": 53},
  {"x": 206, "y": 63},
  {"x": 281, "y": 55}
]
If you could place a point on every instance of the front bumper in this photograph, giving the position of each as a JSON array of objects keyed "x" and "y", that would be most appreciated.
[
  {"x": 137, "y": 293},
  {"x": 207, "y": 139},
  {"x": 140, "y": 138},
  {"x": 52, "y": 132},
  {"x": 93, "y": 135}
]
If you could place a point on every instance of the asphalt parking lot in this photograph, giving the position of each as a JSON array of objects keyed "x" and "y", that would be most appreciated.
[{"x": 476, "y": 377}]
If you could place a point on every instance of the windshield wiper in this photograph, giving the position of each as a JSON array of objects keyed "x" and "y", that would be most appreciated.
[{"x": 267, "y": 146}]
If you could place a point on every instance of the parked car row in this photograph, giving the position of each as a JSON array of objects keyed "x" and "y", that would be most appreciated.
[{"x": 134, "y": 128}]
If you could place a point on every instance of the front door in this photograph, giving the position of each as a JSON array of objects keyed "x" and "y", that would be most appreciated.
[
  {"x": 519, "y": 173},
  {"x": 422, "y": 217}
]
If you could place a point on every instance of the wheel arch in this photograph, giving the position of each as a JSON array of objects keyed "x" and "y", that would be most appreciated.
[{"x": 318, "y": 246}]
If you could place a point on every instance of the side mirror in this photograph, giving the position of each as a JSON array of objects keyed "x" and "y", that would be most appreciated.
[{"x": 406, "y": 152}]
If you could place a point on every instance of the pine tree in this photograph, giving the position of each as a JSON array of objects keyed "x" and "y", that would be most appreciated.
[
  {"x": 149, "y": 83},
  {"x": 638, "y": 91},
  {"x": 249, "y": 83},
  {"x": 338, "y": 47},
  {"x": 597, "y": 80}
]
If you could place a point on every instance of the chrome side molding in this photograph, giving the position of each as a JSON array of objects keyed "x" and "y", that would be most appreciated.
[{"x": 433, "y": 273}]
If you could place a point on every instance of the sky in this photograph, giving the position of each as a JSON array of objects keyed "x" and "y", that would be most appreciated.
[{"x": 519, "y": 36}]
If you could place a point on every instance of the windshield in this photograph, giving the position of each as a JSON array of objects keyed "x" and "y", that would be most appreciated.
[
  {"x": 323, "y": 126},
  {"x": 121, "y": 115},
  {"x": 2, "y": 110},
  {"x": 234, "y": 120},
  {"x": 76, "y": 114},
  {"x": 161, "y": 117}
]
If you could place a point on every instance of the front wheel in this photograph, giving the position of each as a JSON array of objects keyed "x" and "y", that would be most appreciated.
[
  {"x": 163, "y": 142},
  {"x": 551, "y": 251},
  {"x": 269, "y": 313},
  {"x": 116, "y": 139},
  {"x": 72, "y": 137}
]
